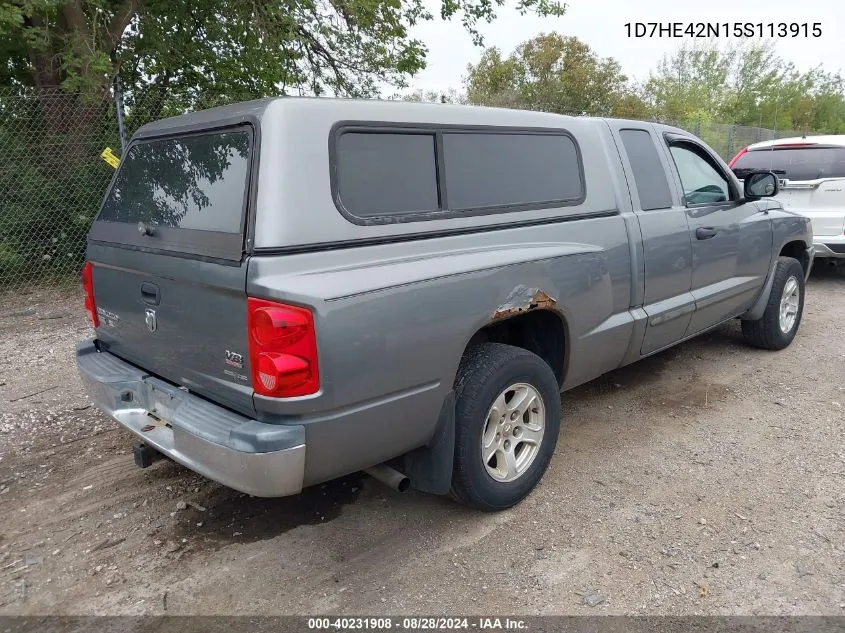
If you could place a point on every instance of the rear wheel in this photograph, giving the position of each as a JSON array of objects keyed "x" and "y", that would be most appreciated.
[
  {"x": 779, "y": 323},
  {"x": 506, "y": 425}
]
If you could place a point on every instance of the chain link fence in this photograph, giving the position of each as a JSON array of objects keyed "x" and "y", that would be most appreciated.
[
  {"x": 727, "y": 139},
  {"x": 52, "y": 175},
  {"x": 51, "y": 180}
]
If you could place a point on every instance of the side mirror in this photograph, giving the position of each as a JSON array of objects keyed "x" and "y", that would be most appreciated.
[{"x": 761, "y": 184}]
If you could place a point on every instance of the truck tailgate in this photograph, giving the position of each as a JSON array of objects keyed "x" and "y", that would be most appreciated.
[
  {"x": 168, "y": 265},
  {"x": 182, "y": 321}
]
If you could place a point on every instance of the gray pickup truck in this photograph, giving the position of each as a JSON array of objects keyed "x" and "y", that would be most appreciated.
[{"x": 288, "y": 290}]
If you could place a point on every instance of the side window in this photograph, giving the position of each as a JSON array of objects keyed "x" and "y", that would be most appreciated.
[
  {"x": 486, "y": 170},
  {"x": 702, "y": 182},
  {"x": 383, "y": 174},
  {"x": 649, "y": 174}
]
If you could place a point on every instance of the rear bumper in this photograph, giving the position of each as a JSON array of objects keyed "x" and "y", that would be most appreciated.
[
  {"x": 830, "y": 246},
  {"x": 265, "y": 460}
]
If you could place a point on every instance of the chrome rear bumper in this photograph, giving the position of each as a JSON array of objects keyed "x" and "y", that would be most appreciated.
[
  {"x": 265, "y": 460},
  {"x": 830, "y": 248}
]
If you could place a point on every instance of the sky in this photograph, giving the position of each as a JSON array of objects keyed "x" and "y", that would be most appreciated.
[{"x": 600, "y": 23}]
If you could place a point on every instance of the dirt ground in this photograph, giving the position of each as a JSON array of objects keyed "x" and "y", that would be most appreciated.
[{"x": 709, "y": 479}]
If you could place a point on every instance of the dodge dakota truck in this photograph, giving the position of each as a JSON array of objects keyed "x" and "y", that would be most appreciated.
[{"x": 288, "y": 290}]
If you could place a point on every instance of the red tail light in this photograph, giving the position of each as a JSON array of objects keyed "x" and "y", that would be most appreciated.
[
  {"x": 88, "y": 288},
  {"x": 736, "y": 158},
  {"x": 282, "y": 349}
]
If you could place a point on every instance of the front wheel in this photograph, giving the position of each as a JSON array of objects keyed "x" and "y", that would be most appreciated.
[
  {"x": 506, "y": 425},
  {"x": 779, "y": 323}
]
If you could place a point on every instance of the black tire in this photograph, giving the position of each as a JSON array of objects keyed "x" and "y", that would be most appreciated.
[
  {"x": 485, "y": 372},
  {"x": 766, "y": 332}
]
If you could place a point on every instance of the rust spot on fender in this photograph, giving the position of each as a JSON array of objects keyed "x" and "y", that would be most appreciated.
[{"x": 523, "y": 299}]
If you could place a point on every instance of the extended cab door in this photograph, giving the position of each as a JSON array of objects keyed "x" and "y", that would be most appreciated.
[
  {"x": 731, "y": 239},
  {"x": 667, "y": 253}
]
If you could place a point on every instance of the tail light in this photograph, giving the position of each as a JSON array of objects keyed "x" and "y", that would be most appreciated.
[
  {"x": 736, "y": 158},
  {"x": 88, "y": 289},
  {"x": 282, "y": 349}
]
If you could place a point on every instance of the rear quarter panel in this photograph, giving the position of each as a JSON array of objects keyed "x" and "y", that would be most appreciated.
[{"x": 392, "y": 324}]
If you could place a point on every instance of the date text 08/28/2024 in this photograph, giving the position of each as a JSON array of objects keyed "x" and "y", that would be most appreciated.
[{"x": 422, "y": 623}]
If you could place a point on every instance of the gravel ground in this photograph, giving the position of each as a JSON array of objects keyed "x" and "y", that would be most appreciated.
[{"x": 705, "y": 480}]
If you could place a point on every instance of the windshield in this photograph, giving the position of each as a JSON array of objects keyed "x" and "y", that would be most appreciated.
[
  {"x": 192, "y": 182},
  {"x": 794, "y": 163}
]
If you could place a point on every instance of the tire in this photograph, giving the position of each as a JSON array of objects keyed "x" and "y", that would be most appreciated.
[
  {"x": 486, "y": 372},
  {"x": 767, "y": 331}
]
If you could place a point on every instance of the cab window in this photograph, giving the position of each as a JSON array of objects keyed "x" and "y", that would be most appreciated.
[{"x": 702, "y": 182}]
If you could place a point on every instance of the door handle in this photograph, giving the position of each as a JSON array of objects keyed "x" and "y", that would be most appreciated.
[
  {"x": 150, "y": 294},
  {"x": 705, "y": 232}
]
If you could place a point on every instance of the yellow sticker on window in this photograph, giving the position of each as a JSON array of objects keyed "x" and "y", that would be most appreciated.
[{"x": 109, "y": 156}]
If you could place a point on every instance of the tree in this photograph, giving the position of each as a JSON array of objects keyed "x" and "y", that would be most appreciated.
[
  {"x": 688, "y": 85},
  {"x": 828, "y": 108},
  {"x": 186, "y": 47},
  {"x": 746, "y": 85},
  {"x": 433, "y": 96},
  {"x": 552, "y": 73},
  {"x": 631, "y": 105}
]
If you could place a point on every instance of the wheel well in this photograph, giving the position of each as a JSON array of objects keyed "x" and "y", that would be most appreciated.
[
  {"x": 538, "y": 331},
  {"x": 796, "y": 250}
]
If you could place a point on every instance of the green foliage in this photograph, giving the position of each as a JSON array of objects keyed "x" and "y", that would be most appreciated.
[
  {"x": 553, "y": 73},
  {"x": 52, "y": 184},
  {"x": 187, "y": 47},
  {"x": 433, "y": 96},
  {"x": 745, "y": 85}
]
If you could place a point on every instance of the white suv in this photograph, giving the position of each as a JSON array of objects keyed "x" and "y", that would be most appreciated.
[{"x": 812, "y": 173}]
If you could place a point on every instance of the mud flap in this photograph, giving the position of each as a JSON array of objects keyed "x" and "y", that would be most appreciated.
[
  {"x": 430, "y": 467},
  {"x": 756, "y": 310}
]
